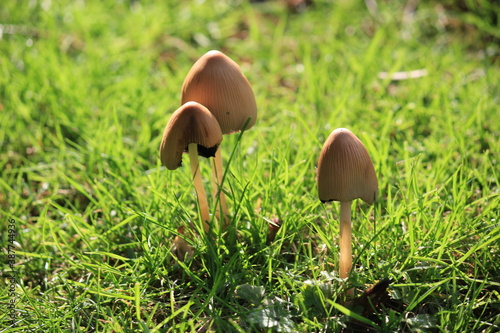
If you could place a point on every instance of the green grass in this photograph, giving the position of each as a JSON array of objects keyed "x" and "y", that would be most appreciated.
[{"x": 86, "y": 89}]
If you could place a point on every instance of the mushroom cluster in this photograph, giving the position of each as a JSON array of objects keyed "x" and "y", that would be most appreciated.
[{"x": 216, "y": 99}]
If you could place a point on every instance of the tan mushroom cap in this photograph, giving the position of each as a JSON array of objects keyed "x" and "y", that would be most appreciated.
[
  {"x": 191, "y": 123},
  {"x": 217, "y": 82},
  {"x": 345, "y": 170}
]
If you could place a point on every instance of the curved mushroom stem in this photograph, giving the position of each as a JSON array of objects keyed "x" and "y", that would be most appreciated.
[
  {"x": 345, "y": 262},
  {"x": 198, "y": 185},
  {"x": 218, "y": 173}
]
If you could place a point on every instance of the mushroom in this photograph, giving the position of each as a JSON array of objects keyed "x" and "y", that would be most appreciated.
[
  {"x": 182, "y": 249},
  {"x": 194, "y": 129},
  {"x": 345, "y": 173},
  {"x": 216, "y": 82}
]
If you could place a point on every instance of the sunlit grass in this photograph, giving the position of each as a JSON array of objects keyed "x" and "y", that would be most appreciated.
[{"x": 86, "y": 89}]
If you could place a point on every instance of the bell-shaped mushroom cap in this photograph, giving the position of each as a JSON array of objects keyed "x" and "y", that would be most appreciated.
[
  {"x": 191, "y": 123},
  {"x": 345, "y": 170},
  {"x": 217, "y": 82}
]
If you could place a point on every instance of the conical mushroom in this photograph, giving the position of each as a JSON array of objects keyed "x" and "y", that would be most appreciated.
[
  {"x": 216, "y": 82},
  {"x": 191, "y": 128},
  {"x": 345, "y": 173}
]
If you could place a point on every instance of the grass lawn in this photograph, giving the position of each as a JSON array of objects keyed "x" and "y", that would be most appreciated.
[{"x": 89, "y": 215}]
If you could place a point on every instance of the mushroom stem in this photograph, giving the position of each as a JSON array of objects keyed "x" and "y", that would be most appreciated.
[
  {"x": 198, "y": 185},
  {"x": 345, "y": 263},
  {"x": 218, "y": 174}
]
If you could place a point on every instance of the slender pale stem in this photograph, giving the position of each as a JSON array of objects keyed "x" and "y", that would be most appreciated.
[
  {"x": 218, "y": 173},
  {"x": 345, "y": 263},
  {"x": 198, "y": 185}
]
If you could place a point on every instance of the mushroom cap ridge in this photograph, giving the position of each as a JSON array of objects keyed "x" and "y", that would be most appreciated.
[
  {"x": 345, "y": 170},
  {"x": 216, "y": 81},
  {"x": 191, "y": 123}
]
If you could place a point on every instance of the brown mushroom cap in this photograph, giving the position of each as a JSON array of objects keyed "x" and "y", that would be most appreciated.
[
  {"x": 345, "y": 170},
  {"x": 191, "y": 123},
  {"x": 217, "y": 82}
]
